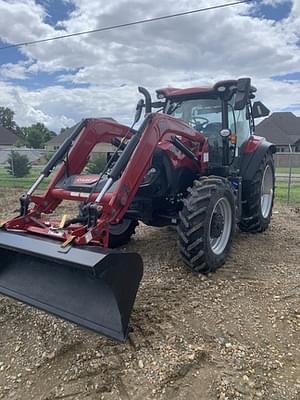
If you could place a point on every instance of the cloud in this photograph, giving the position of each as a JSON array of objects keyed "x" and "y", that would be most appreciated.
[
  {"x": 188, "y": 51},
  {"x": 14, "y": 71},
  {"x": 23, "y": 21}
]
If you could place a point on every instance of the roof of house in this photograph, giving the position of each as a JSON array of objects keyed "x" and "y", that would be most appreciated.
[
  {"x": 280, "y": 128},
  {"x": 7, "y": 137},
  {"x": 31, "y": 154},
  {"x": 61, "y": 137}
]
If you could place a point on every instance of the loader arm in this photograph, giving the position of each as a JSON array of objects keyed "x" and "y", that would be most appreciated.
[
  {"x": 158, "y": 128},
  {"x": 128, "y": 174},
  {"x": 95, "y": 131}
]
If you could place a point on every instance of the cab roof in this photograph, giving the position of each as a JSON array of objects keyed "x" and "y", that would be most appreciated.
[{"x": 197, "y": 91}]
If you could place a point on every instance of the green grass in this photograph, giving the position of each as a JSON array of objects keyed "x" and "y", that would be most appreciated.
[
  {"x": 286, "y": 170},
  {"x": 281, "y": 193},
  {"x": 8, "y": 181}
]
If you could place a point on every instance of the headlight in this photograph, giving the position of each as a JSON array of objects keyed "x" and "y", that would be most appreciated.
[{"x": 225, "y": 132}]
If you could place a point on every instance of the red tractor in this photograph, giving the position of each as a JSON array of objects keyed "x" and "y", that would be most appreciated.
[{"x": 194, "y": 163}]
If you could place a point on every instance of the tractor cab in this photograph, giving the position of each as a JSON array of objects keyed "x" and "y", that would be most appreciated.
[{"x": 223, "y": 113}]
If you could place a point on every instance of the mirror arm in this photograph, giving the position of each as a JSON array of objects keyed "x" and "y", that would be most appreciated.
[
  {"x": 252, "y": 124},
  {"x": 158, "y": 104}
]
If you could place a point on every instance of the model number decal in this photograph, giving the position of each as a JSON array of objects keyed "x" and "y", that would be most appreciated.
[{"x": 78, "y": 194}]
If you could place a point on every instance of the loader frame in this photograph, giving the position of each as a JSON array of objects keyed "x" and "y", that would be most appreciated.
[{"x": 106, "y": 207}]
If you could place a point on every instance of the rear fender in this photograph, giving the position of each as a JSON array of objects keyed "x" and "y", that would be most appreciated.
[{"x": 252, "y": 153}]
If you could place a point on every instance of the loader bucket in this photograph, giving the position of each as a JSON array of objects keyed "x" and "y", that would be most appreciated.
[{"x": 89, "y": 286}]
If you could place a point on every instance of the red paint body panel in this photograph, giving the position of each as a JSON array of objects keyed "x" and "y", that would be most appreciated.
[
  {"x": 174, "y": 92},
  {"x": 253, "y": 143},
  {"x": 62, "y": 194}
]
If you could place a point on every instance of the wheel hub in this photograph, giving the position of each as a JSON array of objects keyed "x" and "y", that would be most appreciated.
[
  {"x": 217, "y": 225},
  {"x": 267, "y": 187},
  {"x": 220, "y": 226}
]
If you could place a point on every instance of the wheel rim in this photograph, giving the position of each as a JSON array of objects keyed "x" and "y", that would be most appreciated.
[
  {"x": 120, "y": 228},
  {"x": 266, "y": 191},
  {"x": 220, "y": 226}
]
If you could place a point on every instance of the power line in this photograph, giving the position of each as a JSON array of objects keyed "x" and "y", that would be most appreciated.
[{"x": 143, "y": 21}]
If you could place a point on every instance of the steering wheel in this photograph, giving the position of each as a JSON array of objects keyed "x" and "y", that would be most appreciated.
[
  {"x": 213, "y": 128},
  {"x": 198, "y": 122}
]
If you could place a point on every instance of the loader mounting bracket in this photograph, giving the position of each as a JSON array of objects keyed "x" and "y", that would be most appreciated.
[{"x": 24, "y": 204}]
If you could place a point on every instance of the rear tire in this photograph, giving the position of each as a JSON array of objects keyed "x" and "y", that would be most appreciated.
[
  {"x": 206, "y": 224},
  {"x": 258, "y": 198},
  {"x": 120, "y": 234}
]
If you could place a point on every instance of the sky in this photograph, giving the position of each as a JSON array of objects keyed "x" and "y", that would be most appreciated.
[{"x": 97, "y": 75}]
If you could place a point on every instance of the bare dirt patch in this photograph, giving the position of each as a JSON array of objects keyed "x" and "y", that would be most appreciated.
[{"x": 231, "y": 335}]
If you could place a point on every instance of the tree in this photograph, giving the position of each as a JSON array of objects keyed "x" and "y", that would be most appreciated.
[
  {"x": 18, "y": 164},
  {"x": 64, "y": 129},
  {"x": 37, "y": 135},
  {"x": 7, "y": 118}
]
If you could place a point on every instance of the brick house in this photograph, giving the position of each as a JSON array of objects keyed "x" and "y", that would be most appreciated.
[{"x": 282, "y": 129}]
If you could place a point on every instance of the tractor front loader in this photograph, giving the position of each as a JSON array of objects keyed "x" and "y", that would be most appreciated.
[{"x": 194, "y": 163}]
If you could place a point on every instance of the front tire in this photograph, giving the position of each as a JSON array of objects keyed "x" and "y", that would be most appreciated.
[
  {"x": 120, "y": 234},
  {"x": 206, "y": 224},
  {"x": 258, "y": 198}
]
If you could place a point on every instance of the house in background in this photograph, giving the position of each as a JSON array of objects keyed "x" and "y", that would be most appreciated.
[
  {"x": 57, "y": 141},
  {"x": 35, "y": 156},
  {"x": 8, "y": 138},
  {"x": 282, "y": 129},
  {"x": 9, "y": 142},
  {"x": 54, "y": 143}
]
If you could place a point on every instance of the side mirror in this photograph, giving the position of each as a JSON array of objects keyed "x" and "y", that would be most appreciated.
[
  {"x": 259, "y": 110},
  {"x": 242, "y": 93},
  {"x": 139, "y": 109}
]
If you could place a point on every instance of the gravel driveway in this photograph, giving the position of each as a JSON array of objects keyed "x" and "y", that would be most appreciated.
[{"x": 232, "y": 335}]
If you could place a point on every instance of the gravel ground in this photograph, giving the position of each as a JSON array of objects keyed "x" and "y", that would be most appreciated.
[{"x": 231, "y": 335}]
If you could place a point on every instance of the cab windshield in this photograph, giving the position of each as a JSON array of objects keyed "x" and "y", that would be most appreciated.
[{"x": 204, "y": 115}]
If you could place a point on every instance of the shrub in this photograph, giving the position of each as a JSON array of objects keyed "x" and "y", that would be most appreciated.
[
  {"x": 18, "y": 164},
  {"x": 49, "y": 155},
  {"x": 96, "y": 165}
]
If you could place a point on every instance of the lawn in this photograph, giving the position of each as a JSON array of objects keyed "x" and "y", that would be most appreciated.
[
  {"x": 8, "y": 181},
  {"x": 286, "y": 170},
  {"x": 281, "y": 193}
]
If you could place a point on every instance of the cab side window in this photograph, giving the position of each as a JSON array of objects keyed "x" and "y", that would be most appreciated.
[{"x": 242, "y": 129}]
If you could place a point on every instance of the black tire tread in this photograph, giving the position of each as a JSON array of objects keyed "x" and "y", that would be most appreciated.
[
  {"x": 252, "y": 220},
  {"x": 193, "y": 221}
]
